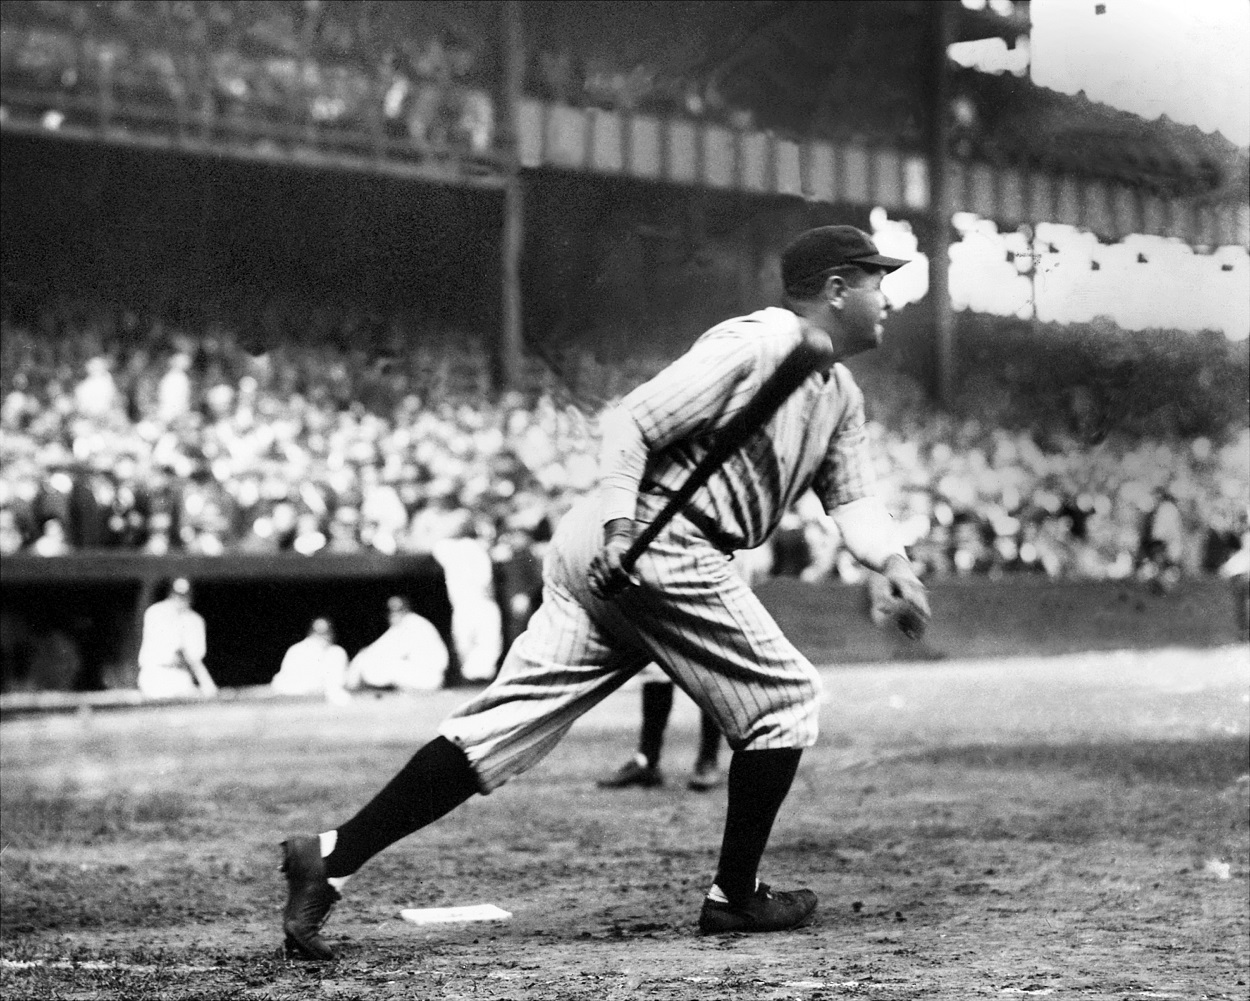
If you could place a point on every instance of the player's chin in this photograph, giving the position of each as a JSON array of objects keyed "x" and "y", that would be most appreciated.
[{"x": 872, "y": 337}]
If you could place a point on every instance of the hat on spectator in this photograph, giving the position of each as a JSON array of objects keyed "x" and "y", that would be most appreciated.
[{"x": 828, "y": 247}]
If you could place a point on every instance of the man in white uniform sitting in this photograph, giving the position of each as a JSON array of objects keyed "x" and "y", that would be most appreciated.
[
  {"x": 171, "y": 654},
  {"x": 316, "y": 665},
  {"x": 409, "y": 656}
]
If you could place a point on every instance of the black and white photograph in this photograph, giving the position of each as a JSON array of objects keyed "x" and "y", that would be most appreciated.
[{"x": 538, "y": 500}]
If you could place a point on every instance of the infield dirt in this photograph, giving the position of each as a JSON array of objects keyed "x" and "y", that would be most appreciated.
[{"x": 1074, "y": 827}]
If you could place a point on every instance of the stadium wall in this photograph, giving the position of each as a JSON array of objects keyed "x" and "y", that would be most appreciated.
[{"x": 73, "y": 623}]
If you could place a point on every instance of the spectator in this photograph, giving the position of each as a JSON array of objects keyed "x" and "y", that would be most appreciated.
[
  {"x": 316, "y": 665},
  {"x": 383, "y": 516},
  {"x": 52, "y": 540},
  {"x": 174, "y": 390},
  {"x": 1161, "y": 558},
  {"x": 96, "y": 397},
  {"x": 409, "y": 656},
  {"x": 173, "y": 648},
  {"x": 11, "y": 540},
  {"x": 343, "y": 537}
]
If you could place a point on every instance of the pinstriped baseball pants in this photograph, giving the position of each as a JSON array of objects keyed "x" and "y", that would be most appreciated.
[{"x": 692, "y": 614}]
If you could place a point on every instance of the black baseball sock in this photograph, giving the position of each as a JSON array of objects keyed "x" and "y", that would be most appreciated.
[
  {"x": 709, "y": 739},
  {"x": 657, "y": 704},
  {"x": 758, "y": 783},
  {"x": 437, "y": 780}
]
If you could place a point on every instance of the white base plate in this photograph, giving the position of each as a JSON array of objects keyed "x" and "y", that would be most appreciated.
[{"x": 447, "y": 915}]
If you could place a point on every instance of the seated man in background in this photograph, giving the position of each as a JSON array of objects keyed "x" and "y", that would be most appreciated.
[
  {"x": 174, "y": 644},
  {"x": 316, "y": 665},
  {"x": 409, "y": 656}
]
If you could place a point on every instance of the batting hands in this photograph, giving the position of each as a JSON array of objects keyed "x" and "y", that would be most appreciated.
[
  {"x": 897, "y": 594},
  {"x": 608, "y": 574}
]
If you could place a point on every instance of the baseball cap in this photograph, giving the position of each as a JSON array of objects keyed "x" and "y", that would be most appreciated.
[{"x": 827, "y": 247}]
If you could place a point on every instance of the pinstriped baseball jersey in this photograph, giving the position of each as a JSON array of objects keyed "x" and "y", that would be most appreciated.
[
  {"x": 690, "y": 613},
  {"x": 815, "y": 439}
]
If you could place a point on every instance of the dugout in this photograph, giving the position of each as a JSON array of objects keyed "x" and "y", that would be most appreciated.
[{"x": 74, "y": 623}]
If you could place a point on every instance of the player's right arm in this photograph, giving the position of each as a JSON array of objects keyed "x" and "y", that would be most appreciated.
[{"x": 846, "y": 485}]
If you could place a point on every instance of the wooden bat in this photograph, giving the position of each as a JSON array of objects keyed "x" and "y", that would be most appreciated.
[{"x": 813, "y": 353}]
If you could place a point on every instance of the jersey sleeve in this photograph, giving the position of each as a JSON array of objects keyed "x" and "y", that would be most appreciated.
[
  {"x": 846, "y": 474},
  {"x": 698, "y": 392}
]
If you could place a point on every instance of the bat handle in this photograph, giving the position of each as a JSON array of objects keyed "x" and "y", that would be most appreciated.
[{"x": 640, "y": 543}]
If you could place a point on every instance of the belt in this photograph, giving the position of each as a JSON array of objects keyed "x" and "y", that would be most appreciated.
[{"x": 717, "y": 536}]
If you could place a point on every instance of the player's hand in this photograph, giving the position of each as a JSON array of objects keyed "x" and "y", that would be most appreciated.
[
  {"x": 608, "y": 576},
  {"x": 911, "y": 609}
]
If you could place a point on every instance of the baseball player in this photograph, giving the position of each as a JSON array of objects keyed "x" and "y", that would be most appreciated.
[
  {"x": 680, "y": 605},
  {"x": 316, "y": 665},
  {"x": 643, "y": 767},
  {"x": 173, "y": 647},
  {"x": 409, "y": 657}
]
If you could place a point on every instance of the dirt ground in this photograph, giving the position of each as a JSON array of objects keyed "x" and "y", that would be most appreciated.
[{"x": 1073, "y": 827}]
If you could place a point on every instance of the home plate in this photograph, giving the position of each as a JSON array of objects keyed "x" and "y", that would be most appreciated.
[{"x": 447, "y": 915}]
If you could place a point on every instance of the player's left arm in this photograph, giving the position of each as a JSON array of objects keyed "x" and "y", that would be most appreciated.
[{"x": 194, "y": 648}]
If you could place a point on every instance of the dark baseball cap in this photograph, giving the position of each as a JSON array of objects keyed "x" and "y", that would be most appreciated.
[{"x": 826, "y": 247}]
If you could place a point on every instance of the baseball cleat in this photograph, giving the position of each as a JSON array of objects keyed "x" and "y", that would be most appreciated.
[
  {"x": 309, "y": 899},
  {"x": 707, "y": 775},
  {"x": 764, "y": 910},
  {"x": 632, "y": 773}
]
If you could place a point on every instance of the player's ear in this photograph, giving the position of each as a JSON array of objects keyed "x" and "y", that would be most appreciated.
[{"x": 834, "y": 290}]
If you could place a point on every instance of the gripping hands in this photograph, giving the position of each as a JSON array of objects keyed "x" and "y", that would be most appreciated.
[
  {"x": 897, "y": 594},
  {"x": 608, "y": 574}
]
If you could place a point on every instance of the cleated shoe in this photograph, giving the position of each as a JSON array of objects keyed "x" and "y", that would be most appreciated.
[
  {"x": 635, "y": 772},
  {"x": 309, "y": 899},
  {"x": 707, "y": 775},
  {"x": 764, "y": 910}
]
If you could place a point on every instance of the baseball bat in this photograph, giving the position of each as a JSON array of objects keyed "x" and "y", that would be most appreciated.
[{"x": 813, "y": 353}]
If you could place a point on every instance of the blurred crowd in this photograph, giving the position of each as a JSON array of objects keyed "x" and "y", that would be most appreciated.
[
  {"x": 119, "y": 432},
  {"x": 328, "y": 66},
  {"x": 321, "y": 65},
  {"x": 309, "y": 64}
]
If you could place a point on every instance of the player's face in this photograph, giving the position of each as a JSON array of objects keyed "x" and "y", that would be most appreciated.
[{"x": 864, "y": 310}]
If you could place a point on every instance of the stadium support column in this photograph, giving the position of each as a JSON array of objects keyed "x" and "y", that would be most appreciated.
[
  {"x": 941, "y": 204},
  {"x": 508, "y": 369}
]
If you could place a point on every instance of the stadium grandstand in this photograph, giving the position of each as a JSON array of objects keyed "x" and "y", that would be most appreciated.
[{"x": 287, "y": 286}]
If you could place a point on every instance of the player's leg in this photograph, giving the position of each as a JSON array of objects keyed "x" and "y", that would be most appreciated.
[
  {"x": 643, "y": 767},
  {"x": 720, "y": 644},
  {"x": 555, "y": 671}
]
